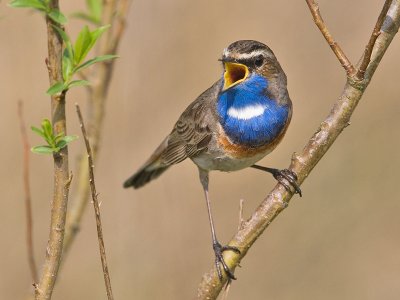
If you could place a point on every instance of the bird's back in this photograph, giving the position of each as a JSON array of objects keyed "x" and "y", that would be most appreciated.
[{"x": 190, "y": 136}]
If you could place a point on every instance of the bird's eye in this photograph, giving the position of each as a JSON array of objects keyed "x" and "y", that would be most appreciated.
[{"x": 259, "y": 61}]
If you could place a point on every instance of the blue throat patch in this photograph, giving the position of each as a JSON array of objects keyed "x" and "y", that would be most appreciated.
[{"x": 248, "y": 116}]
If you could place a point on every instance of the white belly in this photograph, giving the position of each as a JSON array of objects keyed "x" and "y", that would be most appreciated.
[{"x": 208, "y": 161}]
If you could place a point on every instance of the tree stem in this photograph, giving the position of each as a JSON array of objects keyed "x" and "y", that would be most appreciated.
[
  {"x": 62, "y": 178},
  {"x": 304, "y": 162}
]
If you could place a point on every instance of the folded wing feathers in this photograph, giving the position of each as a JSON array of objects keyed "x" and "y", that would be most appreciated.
[{"x": 190, "y": 136}]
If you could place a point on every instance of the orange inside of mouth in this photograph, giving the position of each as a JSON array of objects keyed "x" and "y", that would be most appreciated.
[{"x": 234, "y": 74}]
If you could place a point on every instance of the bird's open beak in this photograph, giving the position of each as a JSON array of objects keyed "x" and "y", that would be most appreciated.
[{"x": 234, "y": 74}]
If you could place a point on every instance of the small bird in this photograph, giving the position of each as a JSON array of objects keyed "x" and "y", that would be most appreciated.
[{"x": 236, "y": 122}]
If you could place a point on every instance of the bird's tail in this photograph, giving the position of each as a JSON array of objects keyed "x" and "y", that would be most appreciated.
[
  {"x": 143, "y": 176},
  {"x": 153, "y": 168}
]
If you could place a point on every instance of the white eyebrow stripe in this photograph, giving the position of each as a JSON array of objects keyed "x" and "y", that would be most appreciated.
[
  {"x": 250, "y": 55},
  {"x": 225, "y": 52},
  {"x": 246, "y": 112}
]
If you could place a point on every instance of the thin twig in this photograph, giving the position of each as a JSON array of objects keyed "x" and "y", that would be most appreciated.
[
  {"x": 27, "y": 192},
  {"x": 241, "y": 220},
  {"x": 341, "y": 56},
  {"x": 226, "y": 290},
  {"x": 120, "y": 24},
  {"x": 371, "y": 42},
  {"x": 303, "y": 163},
  {"x": 62, "y": 177},
  {"x": 97, "y": 96},
  {"x": 96, "y": 208}
]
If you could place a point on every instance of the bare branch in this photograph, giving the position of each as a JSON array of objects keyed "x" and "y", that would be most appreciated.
[
  {"x": 97, "y": 96},
  {"x": 120, "y": 23},
  {"x": 96, "y": 208},
  {"x": 372, "y": 40},
  {"x": 303, "y": 163},
  {"x": 27, "y": 192},
  {"x": 62, "y": 177},
  {"x": 344, "y": 61},
  {"x": 241, "y": 220}
]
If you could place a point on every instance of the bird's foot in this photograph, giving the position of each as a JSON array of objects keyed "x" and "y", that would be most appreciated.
[
  {"x": 282, "y": 176},
  {"x": 219, "y": 259},
  {"x": 290, "y": 177}
]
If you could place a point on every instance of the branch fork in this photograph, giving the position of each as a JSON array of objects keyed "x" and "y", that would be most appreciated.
[
  {"x": 303, "y": 162},
  {"x": 356, "y": 74}
]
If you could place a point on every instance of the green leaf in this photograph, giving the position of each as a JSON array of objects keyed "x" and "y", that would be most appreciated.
[
  {"x": 37, "y": 131},
  {"x": 56, "y": 88},
  {"x": 37, "y": 4},
  {"x": 59, "y": 137},
  {"x": 65, "y": 140},
  {"x": 82, "y": 45},
  {"x": 86, "y": 17},
  {"x": 68, "y": 55},
  {"x": 67, "y": 65},
  {"x": 97, "y": 33},
  {"x": 44, "y": 149},
  {"x": 85, "y": 42},
  {"x": 93, "y": 61},
  {"x": 70, "y": 138},
  {"x": 47, "y": 130},
  {"x": 78, "y": 83},
  {"x": 95, "y": 8},
  {"x": 57, "y": 16},
  {"x": 65, "y": 39},
  {"x": 54, "y": 143},
  {"x": 62, "y": 33},
  {"x": 61, "y": 144}
]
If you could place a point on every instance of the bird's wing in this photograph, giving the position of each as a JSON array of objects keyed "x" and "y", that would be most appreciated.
[
  {"x": 194, "y": 129},
  {"x": 190, "y": 136}
]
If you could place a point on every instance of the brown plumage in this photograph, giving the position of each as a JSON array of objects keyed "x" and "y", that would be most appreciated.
[
  {"x": 232, "y": 125},
  {"x": 190, "y": 136}
]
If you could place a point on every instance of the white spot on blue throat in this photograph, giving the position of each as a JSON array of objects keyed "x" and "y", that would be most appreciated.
[{"x": 246, "y": 112}]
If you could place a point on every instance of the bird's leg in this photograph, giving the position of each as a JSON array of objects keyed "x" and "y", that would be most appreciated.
[
  {"x": 218, "y": 249},
  {"x": 279, "y": 175}
]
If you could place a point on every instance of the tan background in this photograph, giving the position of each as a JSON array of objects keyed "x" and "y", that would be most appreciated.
[{"x": 340, "y": 241}]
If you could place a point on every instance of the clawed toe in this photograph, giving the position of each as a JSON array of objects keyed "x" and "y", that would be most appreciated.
[
  {"x": 231, "y": 248},
  {"x": 219, "y": 259},
  {"x": 291, "y": 177},
  {"x": 283, "y": 176}
]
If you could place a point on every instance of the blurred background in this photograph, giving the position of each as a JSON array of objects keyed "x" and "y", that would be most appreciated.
[{"x": 340, "y": 241}]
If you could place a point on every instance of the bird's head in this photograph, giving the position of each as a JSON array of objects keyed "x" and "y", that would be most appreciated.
[{"x": 246, "y": 57}]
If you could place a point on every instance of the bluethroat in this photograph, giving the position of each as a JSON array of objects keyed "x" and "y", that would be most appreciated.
[{"x": 232, "y": 125}]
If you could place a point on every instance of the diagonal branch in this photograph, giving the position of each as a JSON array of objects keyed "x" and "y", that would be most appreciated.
[
  {"x": 368, "y": 49},
  {"x": 96, "y": 208},
  {"x": 27, "y": 191},
  {"x": 341, "y": 56},
  {"x": 304, "y": 162}
]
